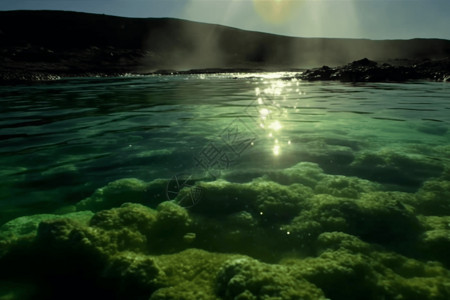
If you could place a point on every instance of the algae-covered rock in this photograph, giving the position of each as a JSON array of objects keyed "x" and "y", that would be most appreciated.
[
  {"x": 170, "y": 232},
  {"x": 114, "y": 194},
  {"x": 433, "y": 198},
  {"x": 190, "y": 275},
  {"x": 221, "y": 197},
  {"x": 434, "y": 243},
  {"x": 339, "y": 240},
  {"x": 133, "y": 275},
  {"x": 389, "y": 166},
  {"x": 246, "y": 278},
  {"x": 124, "y": 190},
  {"x": 375, "y": 217},
  {"x": 105, "y": 239},
  {"x": 305, "y": 173},
  {"x": 27, "y": 225},
  {"x": 399, "y": 276},
  {"x": 323, "y": 213},
  {"x": 372, "y": 274},
  {"x": 382, "y": 218},
  {"x": 329, "y": 153},
  {"x": 134, "y": 216},
  {"x": 332, "y": 271},
  {"x": 137, "y": 252},
  {"x": 276, "y": 202},
  {"x": 343, "y": 186},
  {"x": 269, "y": 199},
  {"x": 172, "y": 217}
]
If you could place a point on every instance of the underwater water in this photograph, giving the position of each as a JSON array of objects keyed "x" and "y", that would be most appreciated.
[{"x": 230, "y": 186}]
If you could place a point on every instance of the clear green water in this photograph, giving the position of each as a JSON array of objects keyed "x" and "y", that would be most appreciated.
[
  {"x": 230, "y": 135},
  {"x": 60, "y": 141}
]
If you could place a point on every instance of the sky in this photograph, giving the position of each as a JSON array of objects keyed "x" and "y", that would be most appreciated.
[{"x": 371, "y": 19}]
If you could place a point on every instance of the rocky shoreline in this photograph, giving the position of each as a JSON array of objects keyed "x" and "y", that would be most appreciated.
[{"x": 365, "y": 70}]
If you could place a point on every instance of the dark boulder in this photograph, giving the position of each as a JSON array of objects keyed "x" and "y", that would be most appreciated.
[{"x": 365, "y": 70}]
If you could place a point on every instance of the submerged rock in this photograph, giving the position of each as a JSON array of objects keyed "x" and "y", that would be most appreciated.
[
  {"x": 372, "y": 274},
  {"x": 124, "y": 190},
  {"x": 267, "y": 198},
  {"x": 296, "y": 234},
  {"x": 27, "y": 226},
  {"x": 246, "y": 278},
  {"x": 376, "y": 217},
  {"x": 344, "y": 186},
  {"x": 435, "y": 241},
  {"x": 389, "y": 166},
  {"x": 136, "y": 252},
  {"x": 433, "y": 198},
  {"x": 306, "y": 173}
]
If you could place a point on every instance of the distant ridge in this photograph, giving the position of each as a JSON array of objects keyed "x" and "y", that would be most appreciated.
[{"x": 63, "y": 41}]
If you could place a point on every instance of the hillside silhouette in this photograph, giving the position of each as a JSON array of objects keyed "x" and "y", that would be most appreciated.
[{"x": 65, "y": 42}]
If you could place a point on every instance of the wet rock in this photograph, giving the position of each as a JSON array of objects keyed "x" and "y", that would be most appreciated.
[{"x": 365, "y": 70}]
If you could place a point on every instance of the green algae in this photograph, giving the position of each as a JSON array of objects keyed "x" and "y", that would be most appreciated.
[
  {"x": 301, "y": 232},
  {"x": 290, "y": 238},
  {"x": 394, "y": 167},
  {"x": 121, "y": 191},
  {"x": 248, "y": 279},
  {"x": 433, "y": 198}
]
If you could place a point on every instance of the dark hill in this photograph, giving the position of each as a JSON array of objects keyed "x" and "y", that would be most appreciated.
[{"x": 71, "y": 43}]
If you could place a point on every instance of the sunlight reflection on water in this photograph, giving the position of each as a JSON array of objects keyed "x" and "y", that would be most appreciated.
[{"x": 273, "y": 107}]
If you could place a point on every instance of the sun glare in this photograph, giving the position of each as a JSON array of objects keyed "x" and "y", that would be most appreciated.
[
  {"x": 275, "y": 125},
  {"x": 276, "y": 11},
  {"x": 276, "y": 150}
]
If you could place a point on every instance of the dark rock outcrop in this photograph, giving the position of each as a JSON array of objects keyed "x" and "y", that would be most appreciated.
[{"x": 365, "y": 70}]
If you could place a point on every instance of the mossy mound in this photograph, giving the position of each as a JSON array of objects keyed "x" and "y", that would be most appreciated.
[
  {"x": 435, "y": 241},
  {"x": 303, "y": 235},
  {"x": 376, "y": 217},
  {"x": 248, "y": 279},
  {"x": 343, "y": 186},
  {"x": 27, "y": 225},
  {"x": 136, "y": 252},
  {"x": 274, "y": 201},
  {"x": 433, "y": 198},
  {"x": 306, "y": 173},
  {"x": 124, "y": 190},
  {"x": 391, "y": 167},
  {"x": 348, "y": 268}
]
